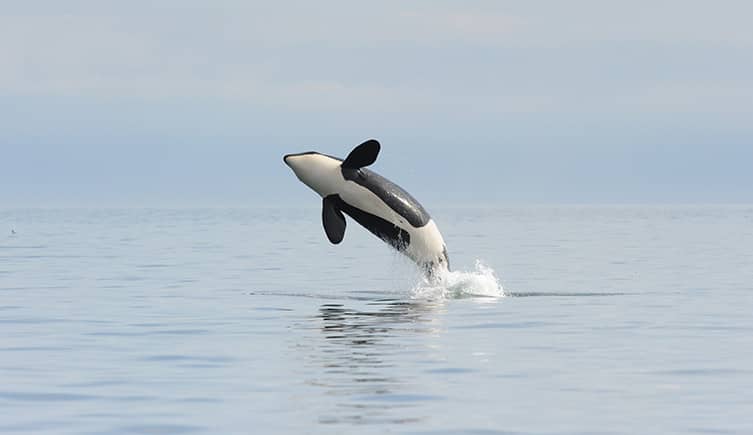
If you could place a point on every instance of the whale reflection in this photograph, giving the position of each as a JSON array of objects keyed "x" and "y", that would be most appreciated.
[{"x": 358, "y": 356}]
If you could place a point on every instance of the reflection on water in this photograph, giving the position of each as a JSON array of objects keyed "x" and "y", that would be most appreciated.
[{"x": 357, "y": 358}]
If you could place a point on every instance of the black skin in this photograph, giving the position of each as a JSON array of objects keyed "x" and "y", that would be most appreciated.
[{"x": 393, "y": 195}]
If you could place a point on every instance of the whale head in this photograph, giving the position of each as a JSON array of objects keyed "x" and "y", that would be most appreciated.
[{"x": 317, "y": 171}]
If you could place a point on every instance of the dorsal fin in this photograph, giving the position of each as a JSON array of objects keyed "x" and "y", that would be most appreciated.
[{"x": 362, "y": 155}]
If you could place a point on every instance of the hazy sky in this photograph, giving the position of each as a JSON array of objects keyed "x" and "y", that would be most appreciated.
[{"x": 194, "y": 103}]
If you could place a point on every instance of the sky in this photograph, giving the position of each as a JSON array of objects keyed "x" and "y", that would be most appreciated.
[{"x": 193, "y": 103}]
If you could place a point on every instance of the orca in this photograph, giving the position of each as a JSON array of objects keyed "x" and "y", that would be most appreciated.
[{"x": 378, "y": 204}]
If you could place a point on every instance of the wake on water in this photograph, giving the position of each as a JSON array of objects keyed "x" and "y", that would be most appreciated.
[{"x": 481, "y": 282}]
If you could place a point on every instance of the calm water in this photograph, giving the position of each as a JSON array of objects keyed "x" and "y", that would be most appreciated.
[{"x": 614, "y": 320}]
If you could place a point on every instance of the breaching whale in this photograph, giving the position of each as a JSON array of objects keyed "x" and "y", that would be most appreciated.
[{"x": 379, "y": 205}]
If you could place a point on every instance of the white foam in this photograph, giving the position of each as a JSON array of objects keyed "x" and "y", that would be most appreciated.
[{"x": 481, "y": 282}]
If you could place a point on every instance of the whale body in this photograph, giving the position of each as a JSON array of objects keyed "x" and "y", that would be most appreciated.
[{"x": 379, "y": 205}]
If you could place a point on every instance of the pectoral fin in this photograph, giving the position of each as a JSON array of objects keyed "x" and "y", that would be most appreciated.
[{"x": 333, "y": 220}]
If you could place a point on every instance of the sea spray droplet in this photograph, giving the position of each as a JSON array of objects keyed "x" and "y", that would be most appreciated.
[{"x": 481, "y": 282}]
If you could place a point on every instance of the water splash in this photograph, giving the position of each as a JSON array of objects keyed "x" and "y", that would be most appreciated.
[{"x": 481, "y": 282}]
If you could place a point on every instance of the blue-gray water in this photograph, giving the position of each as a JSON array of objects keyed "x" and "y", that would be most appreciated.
[{"x": 630, "y": 319}]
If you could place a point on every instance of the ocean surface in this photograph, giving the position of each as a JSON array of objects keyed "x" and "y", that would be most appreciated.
[{"x": 556, "y": 320}]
